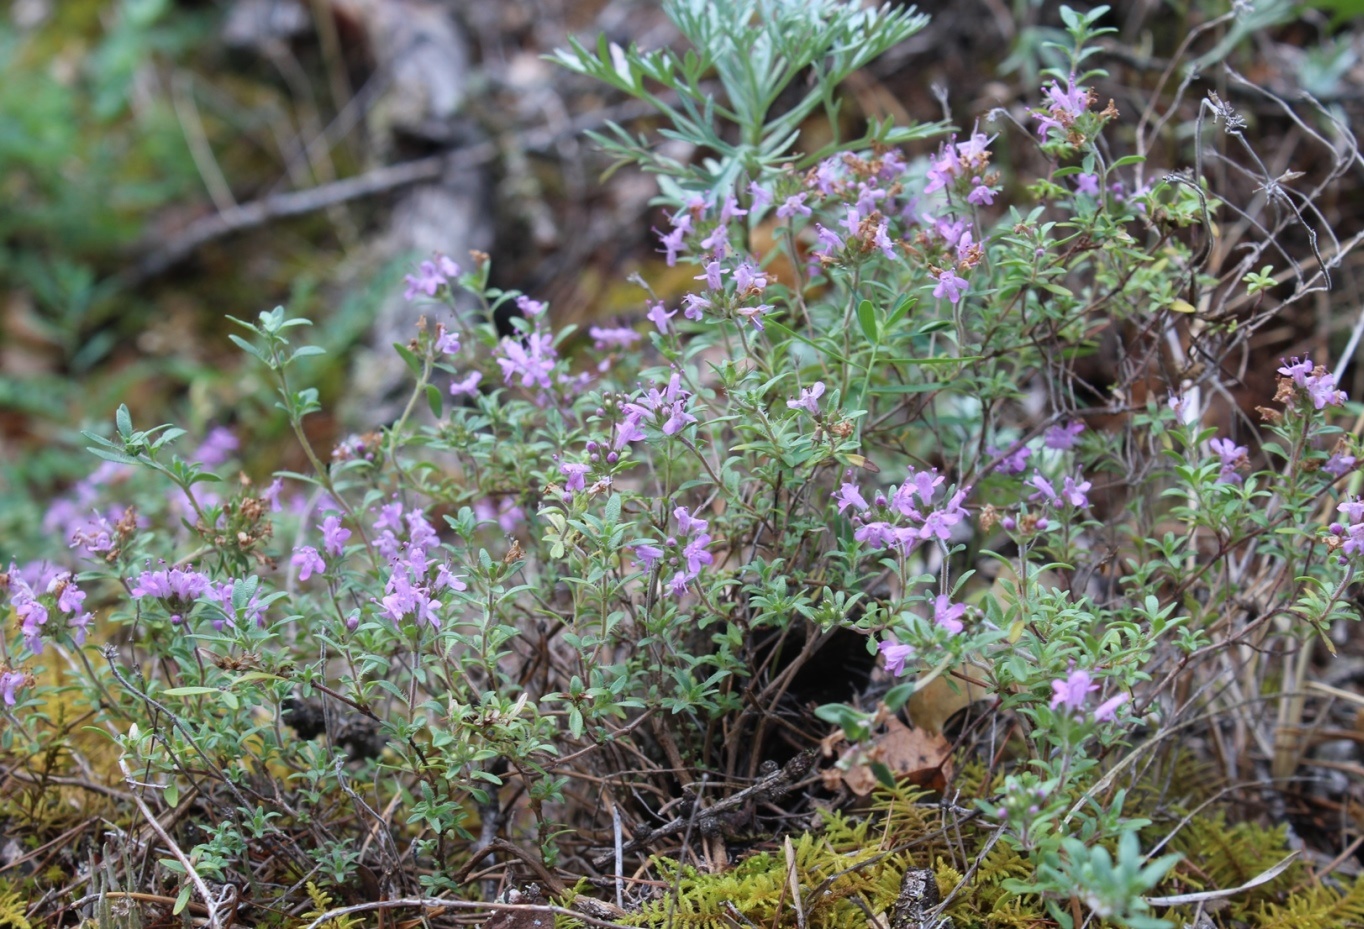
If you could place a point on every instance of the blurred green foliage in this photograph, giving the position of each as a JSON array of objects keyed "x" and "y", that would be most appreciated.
[{"x": 89, "y": 149}]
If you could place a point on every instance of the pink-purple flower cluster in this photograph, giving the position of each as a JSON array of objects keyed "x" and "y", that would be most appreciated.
[
  {"x": 1315, "y": 381},
  {"x": 175, "y": 587},
  {"x": 1072, "y": 692},
  {"x": 504, "y": 510},
  {"x": 664, "y": 408},
  {"x": 1061, "y": 107},
  {"x": 964, "y": 168},
  {"x": 1350, "y": 533},
  {"x": 1234, "y": 458},
  {"x": 906, "y": 522},
  {"x": 38, "y": 590},
  {"x": 431, "y": 276},
  {"x": 531, "y": 360},
  {"x": 415, "y": 579},
  {"x": 686, "y": 552},
  {"x": 1073, "y": 492},
  {"x": 946, "y": 615},
  {"x": 10, "y": 682}
]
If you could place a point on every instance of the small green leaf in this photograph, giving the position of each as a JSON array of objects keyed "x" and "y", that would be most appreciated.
[
  {"x": 123, "y": 420},
  {"x": 866, "y": 316},
  {"x": 172, "y": 795},
  {"x": 181, "y": 901},
  {"x": 189, "y": 691},
  {"x": 433, "y": 399}
]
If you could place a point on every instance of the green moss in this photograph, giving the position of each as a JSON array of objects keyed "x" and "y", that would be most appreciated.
[{"x": 850, "y": 870}]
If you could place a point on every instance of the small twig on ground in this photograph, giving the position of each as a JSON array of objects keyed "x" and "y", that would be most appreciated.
[
  {"x": 771, "y": 787},
  {"x": 439, "y": 904},
  {"x": 209, "y": 903}
]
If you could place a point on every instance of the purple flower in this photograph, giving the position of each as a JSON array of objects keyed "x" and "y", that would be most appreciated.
[
  {"x": 678, "y": 584},
  {"x": 506, "y": 512},
  {"x": 926, "y": 484},
  {"x": 793, "y": 205},
  {"x": 447, "y": 581},
  {"x": 1087, "y": 184},
  {"x": 271, "y": 494},
  {"x": 827, "y": 174},
  {"x": 761, "y": 196},
  {"x": 1108, "y": 709},
  {"x": 1073, "y": 691},
  {"x": 1339, "y": 465},
  {"x": 673, "y": 242},
  {"x": 658, "y": 315},
  {"x": 307, "y": 560},
  {"x": 687, "y": 523},
  {"x": 892, "y": 165},
  {"x": 716, "y": 243},
  {"x": 974, "y": 148},
  {"x": 1063, "y": 437},
  {"x": 1321, "y": 388},
  {"x": 696, "y": 554},
  {"x": 531, "y": 309},
  {"x": 938, "y": 525},
  {"x": 576, "y": 475},
  {"x": 390, "y": 516},
  {"x": 808, "y": 399},
  {"x": 1234, "y": 457},
  {"x": 877, "y": 534},
  {"x": 627, "y": 430},
  {"x": 981, "y": 193},
  {"x": 713, "y": 275},
  {"x": 1063, "y": 108},
  {"x": 467, "y": 387},
  {"x": 693, "y": 305},
  {"x": 849, "y": 495},
  {"x": 428, "y": 280},
  {"x": 10, "y": 682},
  {"x": 216, "y": 448},
  {"x": 729, "y": 210},
  {"x": 1014, "y": 463},
  {"x": 895, "y": 654},
  {"x": 78, "y": 625},
  {"x": 613, "y": 337},
  {"x": 754, "y": 314},
  {"x": 829, "y": 242},
  {"x": 1353, "y": 510},
  {"x": 532, "y": 361},
  {"x": 447, "y": 341},
  {"x": 949, "y": 286},
  {"x": 1044, "y": 489},
  {"x": 667, "y": 404},
  {"x": 852, "y": 221},
  {"x": 943, "y": 169},
  {"x": 1319, "y": 383},
  {"x": 1297, "y": 370},
  {"x": 882, "y": 241},
  {"x": 180, "y": 585},
  {"x": 647, "y": 555},
  {"x": 948, "y": 615},
  {"x": 334, "y": 536},
  {"x": 748, "y": 277},
  {"x": 1075, "y": 492},
  {"x": 951, "y": 232},
  {"x": 70, "y": 598}
]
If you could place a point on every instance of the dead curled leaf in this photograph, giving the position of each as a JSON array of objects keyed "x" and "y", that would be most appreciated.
[{"x": 918, "y": 756}]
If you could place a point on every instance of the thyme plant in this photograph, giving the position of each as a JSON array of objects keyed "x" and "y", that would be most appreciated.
[{"x": 581, "y": 574}]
